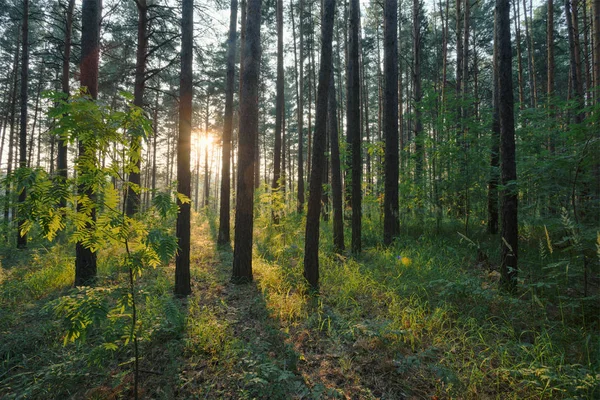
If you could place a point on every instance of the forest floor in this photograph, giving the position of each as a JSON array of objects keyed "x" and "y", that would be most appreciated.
[{"x": 422, "y": 319}]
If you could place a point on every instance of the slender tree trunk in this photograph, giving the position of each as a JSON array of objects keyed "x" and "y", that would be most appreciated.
[
  {"x": 418, "y": 126},
  {"x": 492, "y": 226},
  {"x": 586, "y": 55},
  {"x": 391, "y": 224},
  {"x": 311, "y": 247},
  {"x": 300, "y": 110},
  {"x": 224, "y": 210},
  {"x": 278, "y": 106},
  {"x": 13, "y": 105},
  {"x": 38, "y": 93},
  {"x": 91, "y": 10},
  {"x": 61, "y": 163},
  {"x": 574, "y": 65},
  {"x": 21, "y": 237},
  {"x": 509, "y": 243},
  {"x": 353, "y": 124},
  {"x": 517, "y": 15},
  {"x": 336, "y": 171},
  {"x": 530, "y": 58},
  {"x": 459, "y": 48},
  {"x": 251, "y": 52},
  {"x": 133, "y": 194},
  {"x": 154, "y": 143},
  {"x": 550, "y": 47},
  {"x": 182, "y": 260}
]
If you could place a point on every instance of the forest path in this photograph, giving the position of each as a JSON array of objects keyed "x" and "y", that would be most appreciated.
[{"x": 268, "y": 340}]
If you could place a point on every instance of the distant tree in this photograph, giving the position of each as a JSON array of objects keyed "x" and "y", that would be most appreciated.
[
  {"x": 182, "y": 261},
  {"x": 251, "y": 53},
  {"x": 85, "y": 257}
]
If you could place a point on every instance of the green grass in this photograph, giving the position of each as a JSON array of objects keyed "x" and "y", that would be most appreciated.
[{"x": 419, "y": 319}]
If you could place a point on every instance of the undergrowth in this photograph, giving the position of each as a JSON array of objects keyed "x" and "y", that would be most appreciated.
[{"x": 419, "y": 319}]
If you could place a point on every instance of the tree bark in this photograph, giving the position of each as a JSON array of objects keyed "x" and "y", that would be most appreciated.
[
  {"x": 517, "y": 16},
  {"x": 182, "y": 260},
  {"x": 133, "y": 194},
  {"x": 311, "y": 247},
  {"x": 91, "y": 10},
  {"x": 278, "y": 106},
  {"x": 418, "y": 125},
  {"x": 492, "y": 226},
  {"x": 509, "y": 205},
  {"x": 300, "y": 109},
  {"x": 22, "y": 238},
  {"x": 251, "y": 52},
  {"x": 336, "y": 171},
  {"x": 391, "y": 224},
  {"x": 224, "y": 210},
  {"x": 550, "y": 47},
  {"x": 353, "y": 124},
  {"x": 61, "y": 162}
]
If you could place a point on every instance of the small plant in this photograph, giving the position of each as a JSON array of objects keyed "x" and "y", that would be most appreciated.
[{"x": 142, "y": 241}]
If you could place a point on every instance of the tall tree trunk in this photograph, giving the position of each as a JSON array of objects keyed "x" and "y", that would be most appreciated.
[
  {"x": 13, "y": 105},
  {"x": 224, "y": 210},
  {"x": 509, "y": 243},
  {"x": 206, "y": 195},
  {"x": 278, "y": 106},
  {"x": 300, "y": 109},
  {"x": 586, "y": 55},
  {"x": 353, "y": 124},
  {"x": 251, "y": 52},
  {"x": 154, "y": 144},
  {"x": 574, "y": 64},
  {"x": 391, "y": 224},
  {"x": 418, "y": 126},
  {"x": 182, "y": 260},
  {"x": 133, "y": 194},
  {"x": 596, "y": 48},
  {"x": 336, "y": 171},
  {"x": 61, "y": 160},
  {"x": 550, "y": 47},
  {"x": 459, "y": 48},
  {"x": 91, "y": 10},
  {"x": 517, "y": 16},
  {"x": 311, "y": 247},
  {"x": 22, "y": 238},
  {"x": 530, "y": 57},
  {"x": 492, "y": 226}
]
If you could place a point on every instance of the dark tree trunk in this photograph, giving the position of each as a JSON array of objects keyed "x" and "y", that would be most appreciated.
[
  {"x": 336, "y": 171},
  {"x": 508, "y": 167},
  {"x": 311, "y": 247},
  {"x": 224, "y": 210},
  {"x": 251, "y": 52},
  {"x": 182, "y": 261},
  {"x": 550, "y": 46},
  {"x": 517, "y": 17},
  {"x": 61, "y": 162},
  {"x": 91, "y": 10},
  {"x": 530, "y": 57},
  {"x": 418, "y": 128},
  {"x": 353, "y": 124},
  {"x": 22, "y": 238},
  {"x": 391, "y": 225},
  {"x": 492, "y": 226},
  {"x": 278, "y": 106},
  {"x": 574, "y": 61},
  {"x": 13, "y": 106},
  {"x": 300, "y": 111},
  {"x": 133, "y": 194}
]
